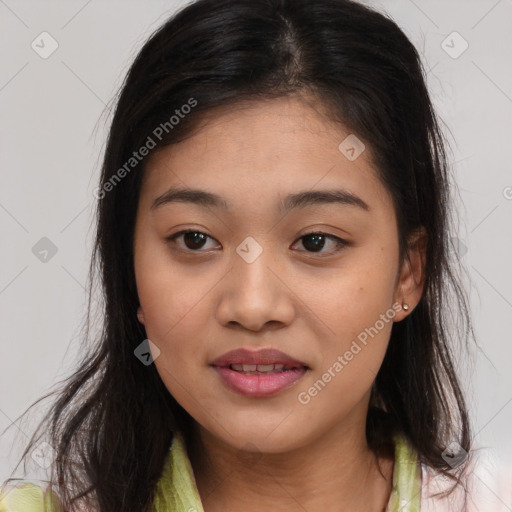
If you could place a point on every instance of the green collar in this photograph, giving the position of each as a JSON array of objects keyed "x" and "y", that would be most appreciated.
[{"x": 177, "y": 490}]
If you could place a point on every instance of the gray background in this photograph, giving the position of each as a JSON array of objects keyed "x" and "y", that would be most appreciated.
[{"x": 54, "y": 116}]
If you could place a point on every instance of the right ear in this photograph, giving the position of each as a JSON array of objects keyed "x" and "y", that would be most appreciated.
[{"x": 140, "y": 315}]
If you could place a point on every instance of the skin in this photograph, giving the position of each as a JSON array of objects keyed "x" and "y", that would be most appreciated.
[{"x": 198, "y": 305}]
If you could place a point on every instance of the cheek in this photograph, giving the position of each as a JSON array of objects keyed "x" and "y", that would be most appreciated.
[
  {"x": 174, "y": 311},
  {"x": 167, "y": 301},
  {"x": 353, "y": 296},
  {"x": 350, "y": 363},
  {"x": 166, "y": 293},
  {"x": 356, "y": 304}
]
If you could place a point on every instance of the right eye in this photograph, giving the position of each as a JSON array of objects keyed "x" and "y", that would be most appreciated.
[{"x": 193, "y": 240}]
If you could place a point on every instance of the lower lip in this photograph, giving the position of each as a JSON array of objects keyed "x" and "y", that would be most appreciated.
[{"x": 264, "y": 384}]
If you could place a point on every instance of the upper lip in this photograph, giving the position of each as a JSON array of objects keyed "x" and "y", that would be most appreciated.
[{"x": 263, "y": 356}]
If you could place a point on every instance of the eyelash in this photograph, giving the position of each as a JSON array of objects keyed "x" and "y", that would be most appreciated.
[{"x": 341, "y": 244}]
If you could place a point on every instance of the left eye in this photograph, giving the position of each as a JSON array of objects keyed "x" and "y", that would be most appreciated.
[
  {"x": 316, "y": 242},
  {"x": 313, "y": 242}
]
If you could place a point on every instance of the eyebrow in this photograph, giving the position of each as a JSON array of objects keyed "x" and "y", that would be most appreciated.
[{"x": 290, "y": 202}]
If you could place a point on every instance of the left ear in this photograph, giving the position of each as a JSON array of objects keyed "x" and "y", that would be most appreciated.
[
  {"x": 140, "y": 315},
  {"x": 411, "y": 281}
]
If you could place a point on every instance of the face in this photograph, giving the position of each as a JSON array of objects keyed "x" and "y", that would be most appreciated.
[{"x": 252, "y": 275}]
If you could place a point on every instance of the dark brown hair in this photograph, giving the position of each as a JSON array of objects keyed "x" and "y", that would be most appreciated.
[{"x": 361, "y": 67}]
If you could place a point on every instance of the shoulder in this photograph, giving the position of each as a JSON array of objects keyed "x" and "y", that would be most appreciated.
[
  {"x": 438, "y": 493},
  {"x": 482, "y": 487},
  {"x": 28, "y": 497}
]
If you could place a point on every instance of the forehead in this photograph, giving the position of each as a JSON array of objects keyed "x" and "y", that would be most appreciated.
[{"x": 258, "y": 150}]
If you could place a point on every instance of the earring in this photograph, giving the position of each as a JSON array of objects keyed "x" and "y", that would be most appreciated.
[{"x": 405, "y": 306}]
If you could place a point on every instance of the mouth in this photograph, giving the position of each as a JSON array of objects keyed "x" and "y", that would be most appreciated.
[{"x": 258, "y": 373}]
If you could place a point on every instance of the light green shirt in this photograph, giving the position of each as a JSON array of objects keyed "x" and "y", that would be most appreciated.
[{"x": 177, "y": 490}]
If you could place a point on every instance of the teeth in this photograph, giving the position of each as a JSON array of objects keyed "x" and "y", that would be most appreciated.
[
  {"x": 263, "y": 367},
  {"x": 257, "y": 368}
]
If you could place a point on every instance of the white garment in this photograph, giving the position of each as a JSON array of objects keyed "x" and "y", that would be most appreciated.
[{"x": 488, "y": 484}]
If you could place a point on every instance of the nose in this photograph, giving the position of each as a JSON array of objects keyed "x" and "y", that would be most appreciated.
[{"x": 255, "y": 295}]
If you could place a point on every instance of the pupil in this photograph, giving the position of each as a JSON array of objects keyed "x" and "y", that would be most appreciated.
[
  {"x": 316, "y": 245},
  {"x": 196, "y": 238}
]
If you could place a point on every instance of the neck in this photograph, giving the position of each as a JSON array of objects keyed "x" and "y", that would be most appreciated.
[{"x": 335, "y": 471}]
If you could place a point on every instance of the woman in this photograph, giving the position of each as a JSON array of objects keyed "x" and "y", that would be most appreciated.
[{"x": 272, "y": 239}]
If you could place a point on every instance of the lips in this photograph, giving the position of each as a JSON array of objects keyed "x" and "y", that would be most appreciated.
[
  {"x": 263, "y": 360},
  {"x": 259, "y": 374}
]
